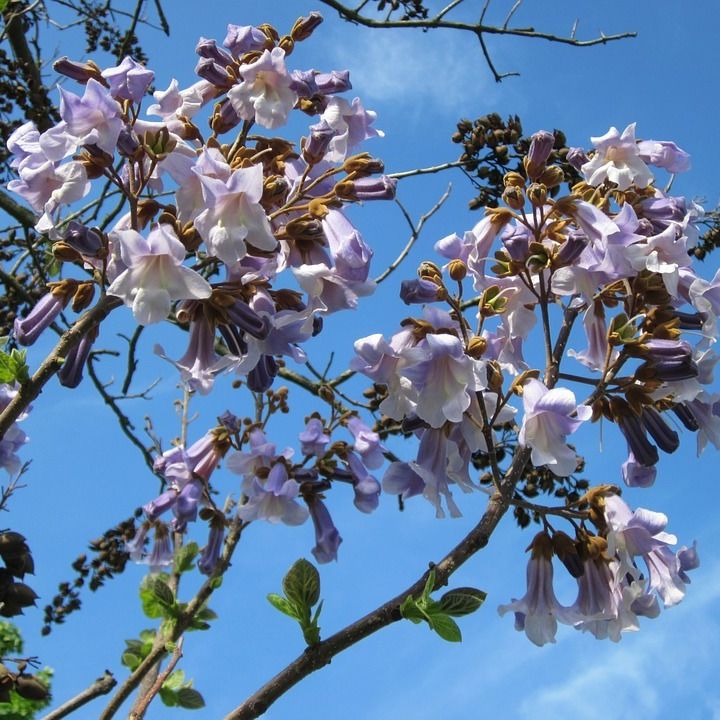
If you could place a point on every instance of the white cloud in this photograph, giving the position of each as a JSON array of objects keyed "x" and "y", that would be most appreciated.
[{"x": 413, "y": 67}]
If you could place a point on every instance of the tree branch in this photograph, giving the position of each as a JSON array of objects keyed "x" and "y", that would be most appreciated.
[
  {"x": 317, "y": 656},
  {"x": 29, "y": 390},
  {"x": 478, "y": 29},
  {"x": 102, "y": 686}
]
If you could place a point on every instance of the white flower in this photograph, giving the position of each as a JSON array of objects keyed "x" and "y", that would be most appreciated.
[
  {"x": 551, "y": 415},
  {"x": 617, "y": 159},
  {"x": 155, "y": 275},
  {"x": 264, "y": 95}
]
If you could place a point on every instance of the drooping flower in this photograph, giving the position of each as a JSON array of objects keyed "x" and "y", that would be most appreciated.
[
  {"x": 274, "y": 499},
  {"x": 538, "y": 612},
  {"x": 327, "y": 537},
  {"x": 550, "y": 416}
]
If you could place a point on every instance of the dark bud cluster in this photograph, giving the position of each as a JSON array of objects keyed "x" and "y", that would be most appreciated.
[
  {"x": 27, "y": 686},
  {"x": 109, "y": 558},
  {"x": 492, "y": 147},
  {"x": 15, "y": 595},
  {"x": 411, "y": 9},
  {"x": 710, "y": 239}
]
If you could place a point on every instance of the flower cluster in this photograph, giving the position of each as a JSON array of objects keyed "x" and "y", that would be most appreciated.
[
  {"x": 615, "y": 252},
  {"x": 240, "y": 212}
]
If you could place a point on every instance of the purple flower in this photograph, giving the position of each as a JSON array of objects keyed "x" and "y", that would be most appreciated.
[
  {"x": 274, "y": 500},
  {"x": 538, "y": 611},
  {"x": 336, "y": 81},
  {"x": 618, "y": 160},
  {"x": 443, "y": 376},
  {"x": 71, "y": 373},
  {"x": 327, "y": 537},
  {"x": 351, "y": 254},
  {"x": 550, "y": 416},
  {"x": 366, "y": 487},
  {"x": 637, "y": 475},
  {"x": 367, "y": 443},
  {"x": 241, "y": 39},
  {"x": 129, "y": 80},
  {"x": 313, "y": 439},
  {"x": 42, "y": 316},
  {"x": 419, "y": 291},
  {"x": 541, "y": 146},
  {"x": 93, "y": 119},
  {"x": 317, "y": 143},
  {"x": 264, "y": 95},
  {"x": 210, "y": 556},
  {"x": 352, "y": 124},
  {"x": 234, "y": 215},
  {"x": 664, "y": 154},
  {"x": 432, "y": 467},
  {"x": 400, "y": 479}
]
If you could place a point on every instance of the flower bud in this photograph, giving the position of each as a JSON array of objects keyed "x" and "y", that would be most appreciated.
[
  {"x": 577, "y": 158},
  {"x": 305, "y": 26},
  {"x": 206, "y": 48},
  {"x": 476, "y": 347},
  {"x": 514, "y": 197},
  {"x": 363, "y": 163},
  {"x": 457, "y": 270},
  {"x": 128, "y": 144},
  {"x": 336, "y": 81},
  {"x": 317, "y": 142},
  {"x": 537, "y": 194},
  {"x": 367, "y": 188},
  {"x": 80, "y": 71},
  {"x": 224, "y": 118},
  {"x": 241, "y": 39},
  {"x": 214, "y": 73},
  {"x": 552, "y": 177},
  {"x": 83, "y": 296},
  {"x": 514, "y": 179},
  {"x": 540, "y": 148}
]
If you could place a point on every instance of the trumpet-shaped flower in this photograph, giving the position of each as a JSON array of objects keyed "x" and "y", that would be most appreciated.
[
  {"x": 265, "y": 94},
  {"x": 550, "y": 416},
  {"x": 155, "y": 275},
  {"x": 618, "y": 160}
]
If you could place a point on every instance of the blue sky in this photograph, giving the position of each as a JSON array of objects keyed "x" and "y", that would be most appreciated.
[{"x": 85, "y": 477}]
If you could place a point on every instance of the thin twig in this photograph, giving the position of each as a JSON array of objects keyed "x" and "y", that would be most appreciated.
[
  {"x": 181, "y": 625},
  {"x": 416, "y": 229},
  {"x": 141, "y": 706}
]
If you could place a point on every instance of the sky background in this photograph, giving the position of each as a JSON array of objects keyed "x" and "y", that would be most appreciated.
[{"x": 85, "y": 477}]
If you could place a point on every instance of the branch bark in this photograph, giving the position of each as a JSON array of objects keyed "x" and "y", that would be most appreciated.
[
  {"x": 102, "y": 686},
  {"x": 53, "y": 362},
  {"x": 317, "y": 656}
]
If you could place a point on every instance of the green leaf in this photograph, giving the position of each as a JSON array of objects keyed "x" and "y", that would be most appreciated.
[
  {"x": 163, "y": 593},
  {"x": 175, "y": 680},
  {"x": 185, "y": 559},
  {"x": 169, "y": 697},
  {"x": 311, "y": 633},
  {"x": 410, "y": 611},
  {"x": 462, "y": 601},
  {"x": 7, "y": 371},
  {"x": 216, "y": 582},
  {"x": 302, "y": 584},
  {"x": 283, "y": 605},
  {"x": 445, "y": 627},
  {"x": 130, "y": 660},
  {"x": 429, "y": 585},
  {"x": 3, "y": 4},
  {"x": 156, "y": 597},
  {"x": 190, "y": 699}
]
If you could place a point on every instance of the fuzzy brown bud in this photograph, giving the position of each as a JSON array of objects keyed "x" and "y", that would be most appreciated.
[
  {"x": 537, "y": 194},
  {"x": 514, "y": 197},
  {"x": 83, "y": 296},
  {"x": 457, "y": 270},
  {"x": 476, "y": 347}
]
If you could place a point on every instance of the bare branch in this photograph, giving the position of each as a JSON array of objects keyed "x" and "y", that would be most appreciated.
[
  {"x": 141, "y": 706},
  {"x": 102, "y": 686},
  {"x": 478, "y": 29}
]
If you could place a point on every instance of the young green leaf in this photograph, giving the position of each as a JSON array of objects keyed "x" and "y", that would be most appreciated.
[
  {"x": 462, "y": 601},
  {"x": 185, "y": 559},
  {"x": 130, "y": 660},
  {"x": 410, "y": 611},
  {"x": 169, "y": 697},
  {"x": 283, "y": 605},
  {"x": 190, "y": 699},
  {"x": 445, "y": 627},
  {"x": 302, "y": 584},
  {"x": 429, "y": 585}
]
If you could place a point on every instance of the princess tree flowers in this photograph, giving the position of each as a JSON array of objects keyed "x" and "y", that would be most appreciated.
[{"x": 559, "y": 308}]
